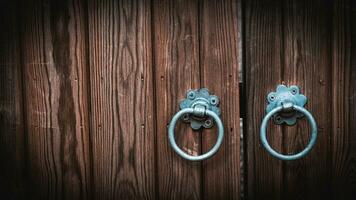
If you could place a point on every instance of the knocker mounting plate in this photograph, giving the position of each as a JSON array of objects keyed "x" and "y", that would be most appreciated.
[
  {"x": 200, "y": 99},
  {"x": 286, "y": 95}
]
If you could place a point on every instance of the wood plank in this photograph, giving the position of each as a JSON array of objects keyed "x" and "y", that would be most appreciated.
[
  {"x": 306, "y": 39},
  {"x": 349, "y": 177},
  {"x": 263, "y": 67},
  {"x": 54, "y": 58},
  {"x": 12, "y": 155},
  {"x": 176, "y": 60},
  {"x": 220, "y": 33},
  {"x": 121, "y": 85},
  {"x": 344, "y": 100}
]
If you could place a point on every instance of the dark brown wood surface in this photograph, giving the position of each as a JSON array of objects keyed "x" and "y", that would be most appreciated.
[
  {"x": 263, "y": 68},
  {"x": 308, "y": 43},
  {"x": 219, "y": 59},
  {"x": 306, "y": 62},
  {"x": 55, "y": 93},
  {"x": 121, "y": 95},
  {"x": 87, "y": 89},
  {"x": 12, "y": 153},
  {"x": 343, "y": 139},
  {"x": 176, "y": 60}
]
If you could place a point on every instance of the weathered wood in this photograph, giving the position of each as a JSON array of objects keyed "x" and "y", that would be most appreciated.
[
  {"x": 344, "y": 100},
  {"x": 220, "y": 39},
  {"x": 176, "y": 59},
  {"x": 316, "y": 55},
  {"x": 122, "y": 118},
  {"x": 263, "y": 68},
  {"x": 349, "y": 167},
  {"x": 57, "y": 128},
  {"x": 306, "y": 38},
  {"x": 12, "y": 180},
  {"x": 88, "y": 90}
]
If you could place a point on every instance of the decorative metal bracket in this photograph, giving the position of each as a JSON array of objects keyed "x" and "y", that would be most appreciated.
[
  {"x": 200, "y": 100},
  {"x": 285, "y": 97}
]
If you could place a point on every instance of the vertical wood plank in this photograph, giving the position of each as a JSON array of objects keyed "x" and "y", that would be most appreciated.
[
  {"x": 12, "y": 180},
  {"x": 306, "y": 36},
  {"x": 176, "y": 61},
  {"x": 349, "y": 176},
  {"x": 54, "y": 57},
  {"x": 307, "y": 62},
  {"x": 122, "y": 118},
  {"x": 263, "y": 50},
  {"x": 220, "y": 39},
  {"x": 344, "y": 100}
]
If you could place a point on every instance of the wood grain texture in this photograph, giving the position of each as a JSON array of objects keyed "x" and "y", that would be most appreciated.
[
  {"x": 344, "y": 100},
  {"x": 88, "y": 90},
  {"x": 349, "y": 169},
  {"x": 306, "y": 38},
  {"x": 122, "y": 118},
  {"x": 176, "y": 58},
  {"x": 220, "y": 38},
  {"x": 263, "y": 68},
  {"x": 57, "y": 128},
  {"x": 12, "y": 154},
  {"x": 316, "y": 54}
]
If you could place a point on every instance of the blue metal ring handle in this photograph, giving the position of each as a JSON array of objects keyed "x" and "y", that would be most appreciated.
[
  {"x": 312, "y": 141},
  {"x": 179, "y": 151}
]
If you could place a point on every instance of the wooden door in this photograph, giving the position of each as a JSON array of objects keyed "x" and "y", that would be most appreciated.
[
  {"x": 88, "y": 89},
  {"x": 310, "y": 44}
]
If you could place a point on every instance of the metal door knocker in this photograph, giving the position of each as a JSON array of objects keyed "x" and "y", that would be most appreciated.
[
  {"x": 285, "y": 106},
  {"x": 200, "y": 109}
]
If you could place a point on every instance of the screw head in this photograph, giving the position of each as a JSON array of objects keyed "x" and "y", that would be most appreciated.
[
  {"x": 208, "y": 123},
  {"x": 214, "y": 100},
  {"x": 272, "y": 97},
  {"x": 191, "y": 95},
  {"x": 294, "y": 90},
  {"x": 278, "y": 119},
  {"x": 186, "y": 117}
]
